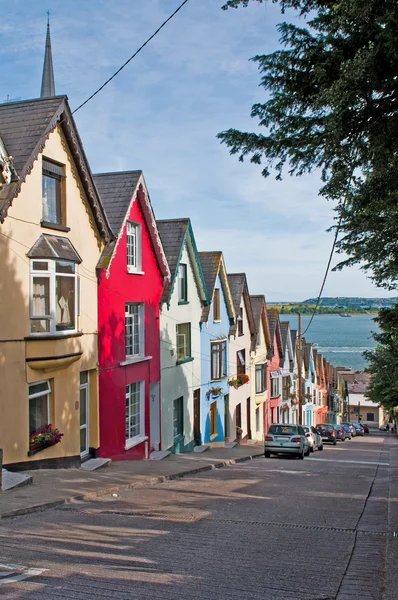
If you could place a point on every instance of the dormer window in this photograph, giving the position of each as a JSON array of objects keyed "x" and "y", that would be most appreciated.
[
  {"x": 240, "y": 321},
  {"x": 52, "y": 187},
  {"x": 216, "y": 305},
  {"x": 133, "y": 247},
  {"x": 182, "y": 283}
]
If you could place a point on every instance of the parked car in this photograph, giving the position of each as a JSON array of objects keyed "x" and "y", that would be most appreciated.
[
  {"x": 340, "y": 433},
  {"x": 359, "y": 429},
  {"x": 347, "y": 430},
  {"x": 328, "y": 433},
  {"x": 365, "y": 427},
  {"x": 286, "y": 439},
  {"x": 351, "y": 428},
  {"x": 313, "y": 438}
]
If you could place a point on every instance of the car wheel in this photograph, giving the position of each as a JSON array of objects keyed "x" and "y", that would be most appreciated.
[
  {"x": 335, "y": 443},
  {"x": 320, "y": 448},
  {"x": 301, "y": 456},
  {"x": 267, "y": 454},
  {"x": 308, "y": 452},
  {"x": 312, "y": 449}
]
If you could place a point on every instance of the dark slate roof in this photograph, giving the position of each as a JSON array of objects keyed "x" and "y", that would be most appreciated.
[
  {"x": 238, "y": 286},
  {"x": 53, "y": 247},
  {"x": 257, "y": 305},
  {"x": 24, "y": 128},
  {"x": 210, "y": 262},
  {"x": 236, "y": 283},
  {"x": 275, "y": 330},
  {"x": 284, "y": 325},
  {"x": 172, "y": 233},
  {"x": 293, "y": 335},
  {"x": 116, "y": 191}
]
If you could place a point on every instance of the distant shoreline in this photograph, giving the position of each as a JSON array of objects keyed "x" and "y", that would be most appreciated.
[{"x": 321, "y": 311}]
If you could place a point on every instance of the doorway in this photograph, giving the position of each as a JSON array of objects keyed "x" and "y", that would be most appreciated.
[
  {"x": 84, "y": 414},
  {"x": 248, "y": 419},
  {"x": 226, "y": 417},
  {"x": 196, "y": 417}
]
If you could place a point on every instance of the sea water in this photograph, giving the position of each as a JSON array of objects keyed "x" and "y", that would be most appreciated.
[{"x": 341, "y": 340}]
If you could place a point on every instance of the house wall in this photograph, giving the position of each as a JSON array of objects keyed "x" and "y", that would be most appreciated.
[
  {"x": 239, "y": 396},
  {"x": 113, "y": 293},
  {"x": 274, "y": 403},
  {"x": 259, "y": 401},
  {"x": 179, "y": 380},
  {"x": 20, "y": 231},
  {"x": 213, "y": 330},
  {"x": 365, "y": 407}
]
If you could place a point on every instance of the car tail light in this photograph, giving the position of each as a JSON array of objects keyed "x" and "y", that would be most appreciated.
[
  {"x": 268, "y": 438},
  {"x": 333, "y": 433},
  {"x": 296, "y": 439},
  {"x": 307, "y": 435}
]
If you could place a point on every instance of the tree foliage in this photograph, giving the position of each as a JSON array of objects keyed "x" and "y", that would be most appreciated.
[
  {"x": 383, "y": 363},
  {"x": 332, "y": 105}
]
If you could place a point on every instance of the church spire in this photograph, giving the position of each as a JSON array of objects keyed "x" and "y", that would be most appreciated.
[{"x": 47, "y": 82}]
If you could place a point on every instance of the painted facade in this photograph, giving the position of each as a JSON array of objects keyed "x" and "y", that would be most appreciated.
[
  {"x": 182, "y": 305},
  {"x": 131, "y": 275},
  {"x": 260, "y": 416},
  {"x": 52, "y": 232},
  {"x": 309, "y": 385},
  {"x": 287, "y": 373},
  {"x": 274, "y": 366},
  {"x": 217, "y": 319},
  {"x": 243, "y": 340}
]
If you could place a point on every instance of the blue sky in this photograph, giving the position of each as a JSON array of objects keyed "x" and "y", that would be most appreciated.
[{"x": 162, "y": 114}]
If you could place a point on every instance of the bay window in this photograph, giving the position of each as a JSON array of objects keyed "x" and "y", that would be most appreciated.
[
  {"x": 53, "y": 302},
  {"x": 39, "y": 405}
]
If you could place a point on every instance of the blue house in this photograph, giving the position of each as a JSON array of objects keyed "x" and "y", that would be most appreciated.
[
  {"x": 217, "y": 318},
  {"x": 309, "y": 384}
]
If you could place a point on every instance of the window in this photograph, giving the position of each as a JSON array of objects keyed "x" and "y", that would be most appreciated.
[
  {"x": 257, "y": 420},
  {"x": 183, "y": 341},
  {"x": 134, "y": 323},
  {"x": 216, "y": 305},
  {"x": 241, "y": 362},
  {"x": 84, "y": 413},
  {"x": 54, "y": 305},
  {"x": 39, "y": 405},
  {"x": 182, "y": 283},
  {"x": 133, "y": 241},
  {"x": 274, "y": 385},
  {"x": 240, "y": 322},
  {"x": 52, "y": 192},
  {"x": 134, "y": 411},
  {"x": 218, "y": 359},
  {"x": 260, "y": 379},
  {"x": 178, "y": 417},
  {"x": 370, "y": 417},
  {"x": 285, "y": 387},
  {"x": 213, "y": 419}
]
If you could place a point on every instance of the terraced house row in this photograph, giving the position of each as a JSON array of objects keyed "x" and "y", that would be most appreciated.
[{"x": 118, "y": 336}]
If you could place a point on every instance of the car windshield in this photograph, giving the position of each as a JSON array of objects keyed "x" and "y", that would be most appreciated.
[
  {"x": 306, "y": 429},
  {"x": 283, "y": 430},
  {"x": 323, "y": 427}
]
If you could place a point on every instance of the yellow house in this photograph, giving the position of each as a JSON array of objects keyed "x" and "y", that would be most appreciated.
[
  {"x": 258, "y": 368},
  {"x": 52, "y": 232}
]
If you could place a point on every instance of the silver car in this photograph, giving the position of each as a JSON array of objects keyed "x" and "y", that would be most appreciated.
[
  {"x": 313, "y": 437},
  {"x": 286, "y": 439}
]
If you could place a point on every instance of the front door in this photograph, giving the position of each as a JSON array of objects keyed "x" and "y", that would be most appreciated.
[
  {"x": 178, "y": 426},
  {"x": 248, "y": 420},
  {"x": 84, "y": 414},
  {"x": 226, "y": 417},
  {"x": 155, "y": 415},
  {"x": 196, "y": 417}
]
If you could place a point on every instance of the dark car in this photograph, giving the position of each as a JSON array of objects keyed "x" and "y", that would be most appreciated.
[
  {"x": 349, "y": 427},
  {"x": 340, "y": 433},
  {"x": 359, "y": 429},
  {"x": 328, "y": 433},
  {"x": 365, "y": 427}
]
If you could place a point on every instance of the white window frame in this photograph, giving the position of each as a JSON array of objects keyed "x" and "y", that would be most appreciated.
[
  {"x": 140, "y": 436},
  {"x": 275, "y": 386},
  {"x": 183, "y": 282},
  {"x": 140, "y": 325},
  {"x": 133, "y": 247},
  {"x": 263, "y": 367},
  {"x": 39, "y": 395},
  {"x": 51, "y": 274}
]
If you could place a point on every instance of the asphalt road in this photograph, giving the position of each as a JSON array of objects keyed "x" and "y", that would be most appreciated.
[{"x": 271, "y": 529}]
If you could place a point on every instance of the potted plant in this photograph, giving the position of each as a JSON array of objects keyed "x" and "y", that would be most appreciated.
[
  {"x": 239, "y": 380},
  {"x": 214, "y": 392},
  {"x": 284, "y": 407},
  {"x": 43, "y": 438},
  {"x": 308, "y": 397},
  {"x": 293, "y": 398}
]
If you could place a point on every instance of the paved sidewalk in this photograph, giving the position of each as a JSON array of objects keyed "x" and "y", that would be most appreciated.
[{"x": 53, "y": 487}]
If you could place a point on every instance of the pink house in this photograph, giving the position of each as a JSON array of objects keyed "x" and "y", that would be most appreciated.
[
  {"x": 132, "y": 272},
  {"x": 274, "y": 368}
]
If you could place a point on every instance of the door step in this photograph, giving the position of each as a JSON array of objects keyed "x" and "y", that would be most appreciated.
[
  {"x": 250, "y": 442},
  {"x": 230, "y": 445},
  {"x": 95, "y": 463},
  {"x": 12, "y": 480},
  {"x": 159, "y": 454},
  {"x": 201, "y": 448}
]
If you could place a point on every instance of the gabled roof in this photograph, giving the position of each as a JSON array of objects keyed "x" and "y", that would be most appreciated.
[
  {"x": 286, "y": 337},
  {"x": 117, "y": 192},
  {"x": 212, "y": 266},
  {"x": 24, "y": 128},
  {"x": 175, "y": 234},
  {"x": 293, "y": 335},
  {"x": 239, "y": 287},
  {"x": 275, "y": 331},
  {"x": 259, "y": 307}
]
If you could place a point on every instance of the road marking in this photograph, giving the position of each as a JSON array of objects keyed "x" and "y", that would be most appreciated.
[
  {"x": 18, "y": 573},
  {"x": 354, "y": 462}
]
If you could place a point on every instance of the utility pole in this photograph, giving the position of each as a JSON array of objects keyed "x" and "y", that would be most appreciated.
[{"x": 300, "y": 386}]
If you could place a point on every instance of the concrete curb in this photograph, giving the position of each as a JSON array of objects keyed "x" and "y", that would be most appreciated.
[{"x": 126, "y": 486}]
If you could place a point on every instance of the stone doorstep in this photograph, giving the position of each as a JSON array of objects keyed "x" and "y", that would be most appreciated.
[
  {"x": 230, "y": 445},
  {"x": 95, "y": 463},
  {"x": 159, "y": 454},
  {"x": 13, "y": 480},
  {"x": 201, "y": 448}
]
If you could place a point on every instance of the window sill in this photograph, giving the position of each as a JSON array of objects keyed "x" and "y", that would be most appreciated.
[
  {"x": 135, "y": 441},
  {"x": 261, "y": 393},
  {"x": 216, "y": 320},
  {"x": 223, "y": 378},
  {"x": 185, "y": 360},
  {"x": 132, "y": 271},
  {"x": 55, "y": 226},
  {"x": 53, "y": 336},
  {"x": 183, "y": 302},
  {"x": 134, "y": 359}
]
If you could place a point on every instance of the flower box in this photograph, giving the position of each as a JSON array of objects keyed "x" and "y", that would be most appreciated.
[
  {"x": 43, "y": 438},
  {"x": 214, "y": 392},
  {"x": 239, "y": 380}
]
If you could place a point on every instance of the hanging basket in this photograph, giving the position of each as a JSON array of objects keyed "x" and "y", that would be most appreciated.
[{"x": 214, "y": 392}]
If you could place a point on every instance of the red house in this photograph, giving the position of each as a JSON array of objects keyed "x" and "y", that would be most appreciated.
[{"x": 132, "y": 272}]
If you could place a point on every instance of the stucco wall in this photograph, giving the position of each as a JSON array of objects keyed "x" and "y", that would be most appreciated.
[
  {"x": 179, "y": 380},
  {"x": 113, "y": 293},
  {"x": 22, "y": 228},
  {"x": 259, "y": 356}
]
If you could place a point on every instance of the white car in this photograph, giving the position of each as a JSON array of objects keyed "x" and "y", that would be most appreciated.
[
  {"x": 313, "y": 437},
  {"x": 286, "y": 439}
]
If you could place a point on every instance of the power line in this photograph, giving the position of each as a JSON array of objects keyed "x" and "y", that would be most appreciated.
[{"x": 131, "y": 57}]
